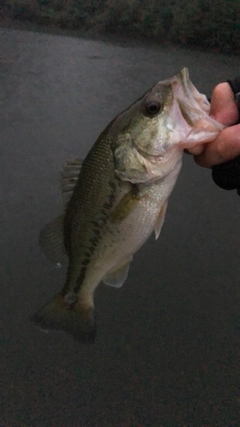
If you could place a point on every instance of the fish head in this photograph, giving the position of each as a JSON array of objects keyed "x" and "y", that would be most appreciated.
[{"x": 150, "y": 136}]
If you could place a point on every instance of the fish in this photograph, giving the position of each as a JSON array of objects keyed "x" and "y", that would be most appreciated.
[{"x": 118, "y": 196}]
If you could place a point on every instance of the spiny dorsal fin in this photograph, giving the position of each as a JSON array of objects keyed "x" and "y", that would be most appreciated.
[
  {"x": 51, "y": 241},
  {"x": 71, "y": 170}
]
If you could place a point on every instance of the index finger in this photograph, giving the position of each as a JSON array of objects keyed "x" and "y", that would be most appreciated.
[{"x": 225, "y": 147}]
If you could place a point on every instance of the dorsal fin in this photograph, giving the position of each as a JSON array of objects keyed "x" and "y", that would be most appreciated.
[
  {"x": 69, "y": 177},
  {"x": 51, "y": 241}
]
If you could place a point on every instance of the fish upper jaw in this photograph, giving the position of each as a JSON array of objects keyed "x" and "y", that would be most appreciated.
[{"x": 190, "y": 111}]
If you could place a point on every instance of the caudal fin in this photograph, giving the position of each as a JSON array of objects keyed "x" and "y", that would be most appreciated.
[{"x": 59, "y": 316}]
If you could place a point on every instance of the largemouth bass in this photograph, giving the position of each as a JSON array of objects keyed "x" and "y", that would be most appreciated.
[{"x": 118, "y": 196}]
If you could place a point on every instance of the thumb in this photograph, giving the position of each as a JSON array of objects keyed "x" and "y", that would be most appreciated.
[{"x": 223, "y": 105}]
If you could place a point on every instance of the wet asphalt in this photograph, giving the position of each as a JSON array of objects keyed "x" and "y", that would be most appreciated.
[{"x": 167, "y": 349}]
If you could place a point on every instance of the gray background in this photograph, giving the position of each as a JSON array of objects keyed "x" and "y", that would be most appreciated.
[{"x": 167, "y": 349}]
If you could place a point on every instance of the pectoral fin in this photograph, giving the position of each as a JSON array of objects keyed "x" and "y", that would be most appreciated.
[
  {"x": 160, "y": 219},
  {"x": 126, "y": 205},
  {"x": 117, "y": 277}
]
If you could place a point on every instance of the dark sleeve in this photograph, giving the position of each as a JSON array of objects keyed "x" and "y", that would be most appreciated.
[
  {"x": 235, "y": 86},
  {"x": 227, "y": 175}
]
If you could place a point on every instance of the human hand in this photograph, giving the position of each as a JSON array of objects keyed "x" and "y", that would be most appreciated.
[{"x": 226, "y": 146}]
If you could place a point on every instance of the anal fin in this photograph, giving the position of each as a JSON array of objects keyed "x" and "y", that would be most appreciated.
[{"x": 117, "y": 277}]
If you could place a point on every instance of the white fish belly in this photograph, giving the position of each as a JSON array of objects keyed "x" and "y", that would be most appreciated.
[{"x": 123, "y": 239}]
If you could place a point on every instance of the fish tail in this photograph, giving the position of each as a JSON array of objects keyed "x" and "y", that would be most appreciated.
[{"x": 77, "y": 320}]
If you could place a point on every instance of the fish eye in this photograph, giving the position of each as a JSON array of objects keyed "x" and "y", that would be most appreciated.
[{"x": 152, "y": 107}]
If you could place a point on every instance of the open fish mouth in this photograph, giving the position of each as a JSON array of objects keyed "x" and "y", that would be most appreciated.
[{"x": 190, "y": 93}]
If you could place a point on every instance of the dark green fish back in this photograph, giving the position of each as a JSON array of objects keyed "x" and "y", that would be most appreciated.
[{"x": 91, "y": 204}]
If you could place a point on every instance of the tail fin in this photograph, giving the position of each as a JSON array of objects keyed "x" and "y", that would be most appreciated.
[{"x": 59, "y": 316}]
